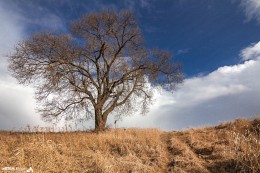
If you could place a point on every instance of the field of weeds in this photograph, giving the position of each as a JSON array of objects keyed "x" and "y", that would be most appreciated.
[{"x": 229, "y": 147}]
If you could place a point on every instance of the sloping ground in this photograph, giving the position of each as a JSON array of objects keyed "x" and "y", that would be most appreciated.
[{"x": 230, "y": 147}]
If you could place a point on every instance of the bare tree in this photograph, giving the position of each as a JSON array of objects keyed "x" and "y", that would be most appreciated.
[{"x": 102, "y": 67}]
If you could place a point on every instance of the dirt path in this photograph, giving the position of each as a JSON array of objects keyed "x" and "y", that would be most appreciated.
[
  {"x": 166, "y": 140},
  {"x": 180, "y": 156}
]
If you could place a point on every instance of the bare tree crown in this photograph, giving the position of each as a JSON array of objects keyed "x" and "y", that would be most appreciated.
[{"x": 103, "y": 66}]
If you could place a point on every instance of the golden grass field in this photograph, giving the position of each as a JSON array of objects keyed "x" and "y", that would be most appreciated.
[{"x": 230, "y": 147}]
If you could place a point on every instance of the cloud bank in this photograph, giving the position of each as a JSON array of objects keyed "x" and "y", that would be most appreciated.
[
  {"x": 16, "y": 101},
  {"x": 227, "y": 93},
  {"x": 251, "y": 52}
]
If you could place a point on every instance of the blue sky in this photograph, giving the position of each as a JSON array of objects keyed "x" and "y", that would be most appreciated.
[
  {"x": 210, "y": 32},
  {"x": 217, "y": 41}
]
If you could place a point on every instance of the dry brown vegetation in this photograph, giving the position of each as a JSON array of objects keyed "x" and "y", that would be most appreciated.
[{"x": 229, "y": 147}]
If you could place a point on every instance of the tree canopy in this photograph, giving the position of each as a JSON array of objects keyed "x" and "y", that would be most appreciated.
[{"x": 101, "y": 67}]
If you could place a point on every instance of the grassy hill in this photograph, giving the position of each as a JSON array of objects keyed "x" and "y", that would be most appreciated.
[{"x": 230, "y": 147}]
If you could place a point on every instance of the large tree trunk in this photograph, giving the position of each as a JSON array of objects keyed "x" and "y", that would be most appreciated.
[{"x": 100, "y": 122}]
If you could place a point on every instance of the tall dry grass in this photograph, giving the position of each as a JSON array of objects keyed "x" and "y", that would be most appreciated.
[
  {"x": 130, "y": 150},
  {"x": 245, "y": 141},
  {"x": 227, "y": 148}
]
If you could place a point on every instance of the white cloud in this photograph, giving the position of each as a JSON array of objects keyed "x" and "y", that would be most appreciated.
[
  {"x": 32, "y": 14},
  {"x": 251, "y": 52},
  {"x": 49, "y": 22},
  {"x": 227, "y": 93},
  {"x": 17, "y": 106},
  {"x": 16, "y": 103},
  {"x": 9, "y": 30},
  {"x": 251, "y": 9}
]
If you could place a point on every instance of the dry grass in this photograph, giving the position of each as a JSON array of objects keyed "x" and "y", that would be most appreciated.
[
  {"x": 130, "y": 150},
  {"x": 245, "y": 137},
  {"x": 230, "y": 147}
]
